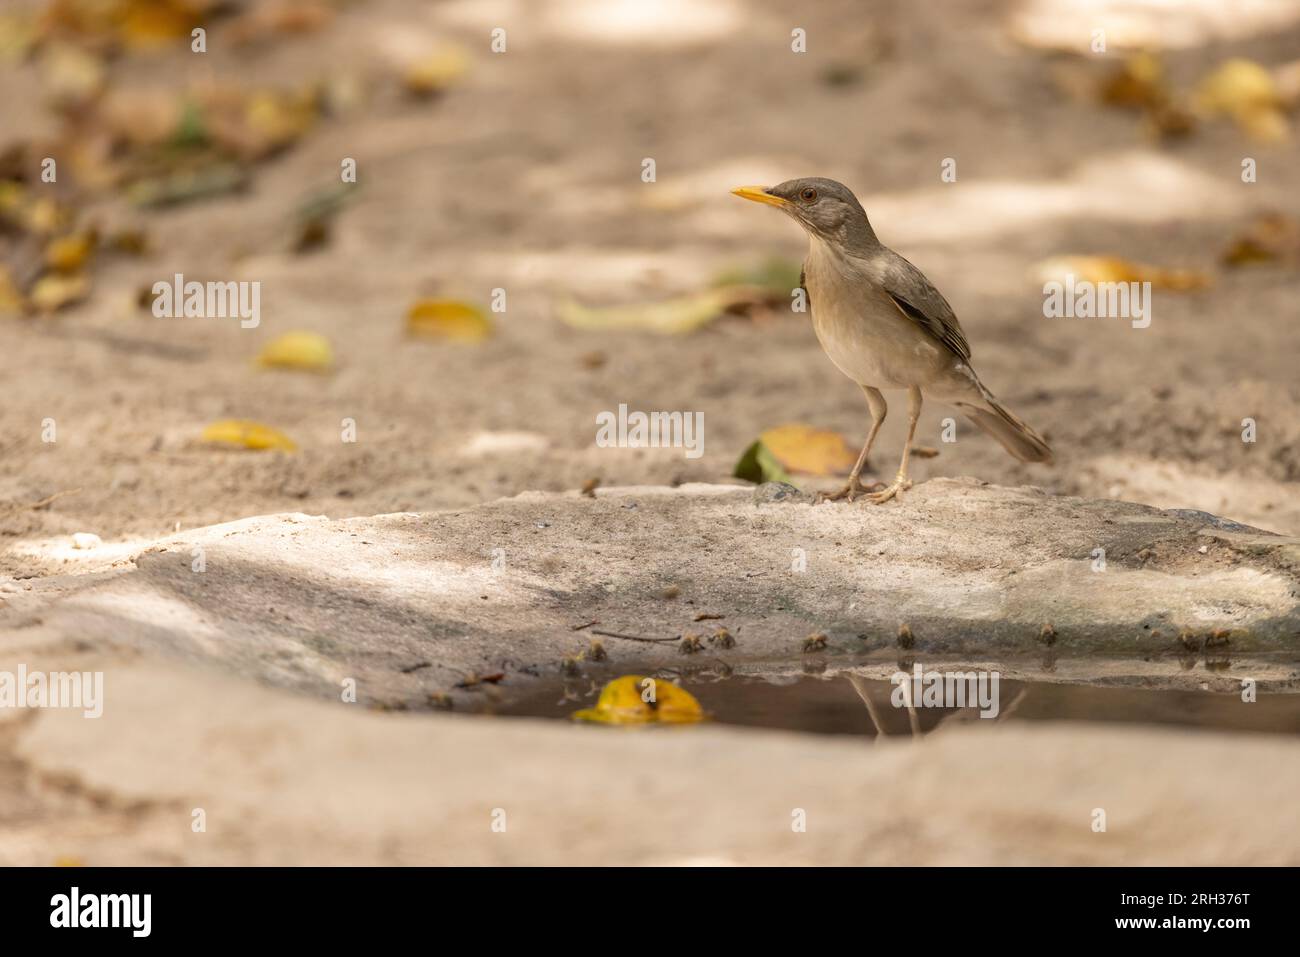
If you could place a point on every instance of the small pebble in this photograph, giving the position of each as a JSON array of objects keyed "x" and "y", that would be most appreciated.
[
  {"x": 779, "y": 492},
  {"x": 815, "y": 642},
  {"x": 905, "y": 639},
  {"x": 86, "y": 540}
]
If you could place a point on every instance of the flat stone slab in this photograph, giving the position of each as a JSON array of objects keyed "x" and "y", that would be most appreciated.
[
  {"x": 412, "y": 607},
  {"x": 285, "y": 780}
]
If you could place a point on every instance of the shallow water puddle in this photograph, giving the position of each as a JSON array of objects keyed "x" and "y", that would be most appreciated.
[{"x": 835, "y": 705}]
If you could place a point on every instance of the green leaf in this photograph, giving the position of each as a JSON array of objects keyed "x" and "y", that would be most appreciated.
[
  {"x": 670, "y": 316},
  {"x": 774, "y": 277},
  {"x": 192, "y": 130},
  {"x": 758, "y": 465}
]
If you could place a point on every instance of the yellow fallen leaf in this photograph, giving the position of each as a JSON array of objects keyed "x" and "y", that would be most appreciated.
[
  {"x": 448, "y": 319},
  {"x": 1246, "y": 91},
  {"x": 129, "y": 242},
  {"x": 1139, "y": 81},
  {"x": 1271, "y": 236},
  {"x": 69, "y": 253},
  {"x": 11, "y": 298},
  {"x": 1237, "y": 84},
  {"x": 1265, "y": 124},
  {"x": 802, "y": 448},
  {"x": 43, "y": 216},
  {"x": 12, "y": 200},
  {"x": 297, "y": 350},
  {"x": 435, "y": 72},
  {"x": 72, "y": 75},
  {"x": 156, "y": 22},
  {"x": 53, "y": 292},
  {"x": 248, "y": 435},
  {"x": 623, "y": 702},
  {"x": 671, "y": 316},
  {"x": 274, "y": 120},
  {"x": 1170, "y": 120},
  {"x": 1101, "y": 269},
  {"x": 18, "y": 33}
]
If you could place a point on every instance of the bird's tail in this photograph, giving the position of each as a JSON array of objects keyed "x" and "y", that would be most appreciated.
[{"x": 1015, "y": 436}]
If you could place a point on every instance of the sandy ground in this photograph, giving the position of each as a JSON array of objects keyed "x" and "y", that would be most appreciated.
[{"x": 527, "y": 177}]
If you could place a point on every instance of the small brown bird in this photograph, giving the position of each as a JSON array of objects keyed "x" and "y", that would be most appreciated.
[{"x": 884, "y": 325}]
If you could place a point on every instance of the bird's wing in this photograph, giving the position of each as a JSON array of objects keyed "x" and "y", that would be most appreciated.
[{"x": 921, "y": 302}]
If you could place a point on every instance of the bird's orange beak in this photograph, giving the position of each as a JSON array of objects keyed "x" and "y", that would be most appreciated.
[{"x": 759, "y": 195}]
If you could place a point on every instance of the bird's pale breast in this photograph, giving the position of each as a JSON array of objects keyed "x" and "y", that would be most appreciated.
[{"x": 862, "y": 330}]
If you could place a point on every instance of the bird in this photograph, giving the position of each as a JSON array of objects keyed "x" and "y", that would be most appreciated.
[{"x": 885, "y": 326}]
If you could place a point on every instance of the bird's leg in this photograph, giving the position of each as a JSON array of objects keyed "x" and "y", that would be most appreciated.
[
  {"x": 855, "y": 488},
  {"x": 901, "y": 482}
]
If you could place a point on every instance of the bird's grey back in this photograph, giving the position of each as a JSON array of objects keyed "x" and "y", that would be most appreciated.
[{"x": 917, "y": 298}]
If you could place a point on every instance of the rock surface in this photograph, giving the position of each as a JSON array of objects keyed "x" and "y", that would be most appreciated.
[
  {"x": 413, "y": 605},
  {"x": 285, "y": 780},
  {"x": 191, "y": 633}
]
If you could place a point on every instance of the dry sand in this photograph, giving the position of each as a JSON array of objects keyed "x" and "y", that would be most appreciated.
[{"x": 527, "y": 177}]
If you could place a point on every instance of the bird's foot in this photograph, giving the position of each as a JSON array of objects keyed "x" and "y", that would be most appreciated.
[
  {"x": 900, "y": 484},
  {"x": 849, "y": 492}
]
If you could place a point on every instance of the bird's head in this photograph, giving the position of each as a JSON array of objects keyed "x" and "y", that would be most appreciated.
[{"x": 826, "y": 209}]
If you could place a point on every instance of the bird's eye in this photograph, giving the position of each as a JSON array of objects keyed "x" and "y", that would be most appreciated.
[{"x": 808, "y": 195}]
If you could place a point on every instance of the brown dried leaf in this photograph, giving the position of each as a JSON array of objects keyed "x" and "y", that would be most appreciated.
[
  {"x": 1270, "y": 237},
  {"x": 1137, "y": 82},
  {"x": 813, "y": 451},
  {"x": 145, "y": 24},
  {"x": 69, "y": 254}
]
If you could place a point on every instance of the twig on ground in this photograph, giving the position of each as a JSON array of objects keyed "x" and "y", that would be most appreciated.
[
  {"x": 615, "y": 634},
  {"x": 43, "y": 503}
]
